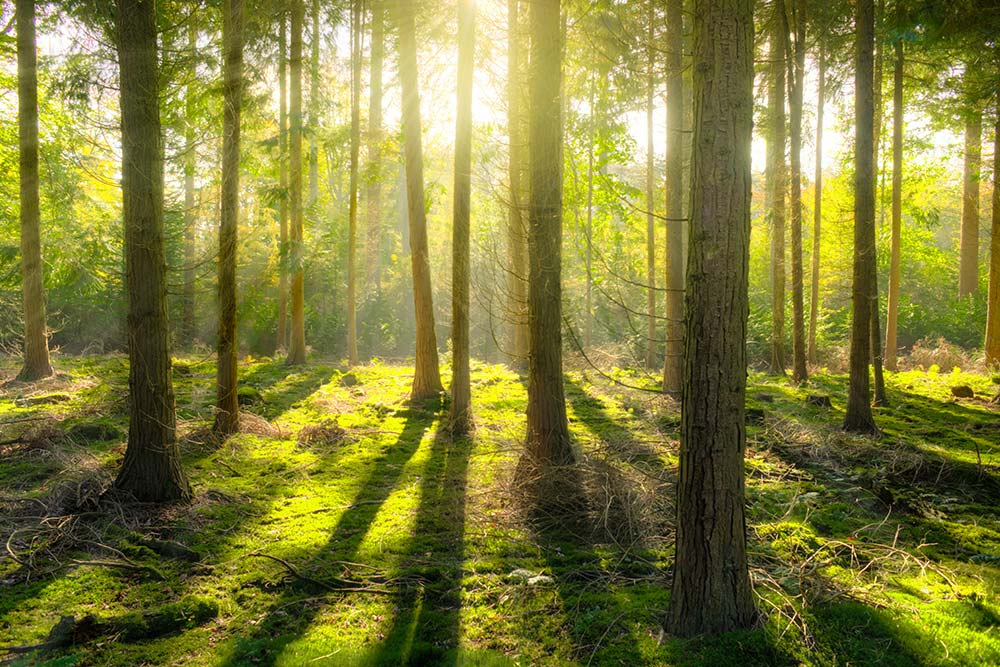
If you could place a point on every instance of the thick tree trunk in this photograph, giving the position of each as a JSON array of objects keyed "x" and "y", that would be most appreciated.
[
  {"x": 297, "y": 346},
  {"x": 775, "y": 186},
  {"x": 818, "y": 208},
  {"x": 547, "y": 441},
  {"x": 673, "y": 365},
  {"x": 227, "y": 411},
  {"x": 282, "y": 338},
  {"x": 892, "y": 316},
  {"x": 190, "y": 165},
  {"x": 968, "y": 271},
  {"x": 373, "y": 235},
  {"x": 36, "y": 342},
  {"x": 859, "y": 413},
  {"x": 151, "y": 471},
  {"x": 461, "y": 393},
  {"x": 711, "y": 590},
  {"x": 796, "y": 21},
  {"x": 427, "y": 376},
  {"x": 993, "y": 302},
  {"x": 650, "y": 189},
  {"x": 352, "y": 226},
  {"x": 517, "y": 237}
]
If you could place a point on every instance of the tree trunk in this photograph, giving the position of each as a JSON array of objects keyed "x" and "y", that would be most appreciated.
[
  {"x": 297, "y": 346},
  {"x": 796, "y": 21},
  {"x": 227, "y": 410},
  {"x": 588, "y": 315},
  {"x": 859, "y": 413},
  {"x": 818, "y": 207},
  {"x": 892, "y": 316},
  {"x": 426, "y": 377},
  {"x": 461, "y": 397},
  {"x": 711, "y": 590},
  {"x": 547, "y": 442},
  {"x": 282, "y": 340},
  {"x": 373, "y": 236},
  {"x": 673, "y": 364},
  {"x": 36, "y": 342},
  {"x": 968, "y": 272},
  {"x": 517, "y": 245},
  {"x": 993, "y": 301},
  {"x": 775, "y": 186},
  {"x": 650, "y": 188},
  {"x": 352, "y": 228},
  {"x": 875, "y": 331},
  {"x": 151, "y": 471},
  {"x": 314, "y": 113},
  {"x": 190, "y": 165}
]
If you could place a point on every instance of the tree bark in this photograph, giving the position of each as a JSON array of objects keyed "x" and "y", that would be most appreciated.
[
  {"x": 352, "y": 227},
  {"x": 711, "y": 590},
  {"x": 859, "y": 413},
  {"x": 517, "y": 245},
  {"x": 36, "y": 343},
  {"x": 151, "y": 471},
  {"x": 650, "y": 189},
  {"x": 796, "y": 22},
  {"x": 314, "y": 113},
  {"x": 993, "y": 301},
  {"x": 547, "y": 443},
  {"x": 892, "y": 315},
  {"x": 588, "y": 307},
  {"x": 190, "y": 166},
  {"x": 282, "y": 338},
  {"x": 297, "y": 346},
  {"x": 373, "y": 236},
  {"x": 968, "y": 272},
  {"x": 818, "y": 209},
  {"x": 227, "y": 410},
  {"x": 673, "y": 365},
  {"x": 776, "y": 186},
  {"x": 427, "y": 376},
  {"x": 461, "y": 393}
]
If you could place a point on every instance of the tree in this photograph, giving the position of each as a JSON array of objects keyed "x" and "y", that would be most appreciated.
[
  {"x": 775, "y": 186},
  {"x": 282, "y": 338},
  {"x": 36, "y": 342},
  {"x": 190, "y": 165},
  {"x": 817, "y": 208},
  {"x": 674, "y": 283},
  {"x": 968, "y": 271},
  {"x": 517, "y": 247},
  {"x": 151, "y": 471},
  {"x": 352, "y": 226},
  {"x": 796, "y": 24},
  {"x": 227, "y": 410},
  {"x": 547, "y": 442},
  {"x": 711, "y": 589},
  {"x": 373, "y": 236},
  {"x": 427, "y": 376},
  {"x": 892, "y": 314},
  {"x": 297, "y": 347},
  {"x": 461, "y": 393},
  {"x": 650, "y": 185},
  {"x": 993, "y": 303},
  {"x": 859, "y": 410}
]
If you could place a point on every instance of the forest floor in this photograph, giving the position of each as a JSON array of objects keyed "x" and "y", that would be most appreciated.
[{"x": 346, "y": 526}]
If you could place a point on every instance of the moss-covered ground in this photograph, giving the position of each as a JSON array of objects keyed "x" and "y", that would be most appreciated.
[{"x": 346, "y": 527}]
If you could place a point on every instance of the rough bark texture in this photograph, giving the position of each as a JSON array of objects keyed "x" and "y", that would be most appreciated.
[
  {"x": 427, "y": 376},
  {"x": 282, "y": 338},
  {"x": 297, "y": 345},
  {"x": 859, "y": 413},
  {"x": 892, "y": 316},
  {"x": 190, "y": 206},
  {"x": 151, "y": 471},
  {"x": 547, "y": 442},
  {"x": 968, "y": 270},
  {"x": 373, "y": 234},
  {"x": 461, "y": 393},
  {"x": 650, "y": 189},
  {"x": 775, "y": 186},
  {"x": 355, "y": 185},
  {"x": 711, "y": 590},
  {"x": 817, "y": 210},
  {"x": 227, "y": 410},
  {"x": 36, "y": 343},
  {"x": 993, "y": 303},
  {"x": 517, "y": 236},
  {"x": 673, "y": 366},
  {"x": 796, "y": 21}
]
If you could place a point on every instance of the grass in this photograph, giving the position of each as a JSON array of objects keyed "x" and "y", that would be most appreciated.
[{"x": 862, "y": 551}]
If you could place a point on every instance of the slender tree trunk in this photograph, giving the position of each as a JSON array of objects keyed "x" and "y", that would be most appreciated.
[
  {"x": 711, "y": 590},
  {"x": 151, "y": 471},
  {"x": 282, "y": 340},
  {"x": 548, "y": 441},
  {"x": 227, "y": 410},
  {"x": 892, "y": 316},
  {"x": 775, "y": 186},
  {"x": 373, "y": 236},
  {"x": 859, "y": 413},
  {"x": 352, "y": 229},
  {"x": 875, "y": 333},
  {"x": 427, "y": 376},
  {"x": 588, "y": 322},
  {"x": 36, "y": 342},
  {"x": 190, "y": 165},
  {"x": 517, "y": 240},
  {"x": 968, "y": 272},
  {"x": 796, "y": 20},
  {"x": 650, "y": 189},
  {"x": 461, "y": 394},
  {"x": 818, "y": 208},
  {"x": 314, "y": 113},
  {"x": 993, "y": 301},
  {"x": 297, "y": 347},
  {"x": 673, "y": 366}
]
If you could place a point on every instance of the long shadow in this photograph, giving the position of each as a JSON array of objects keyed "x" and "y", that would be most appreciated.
[
  {"x": 281, "y": 391},
  {"x": 272, "y": 635},
  {"x": 426, "y": 627}
]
